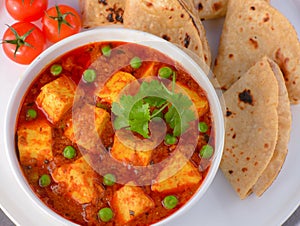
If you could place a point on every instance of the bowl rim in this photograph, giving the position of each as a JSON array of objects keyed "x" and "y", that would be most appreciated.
[{"x": 99, "y": 35}]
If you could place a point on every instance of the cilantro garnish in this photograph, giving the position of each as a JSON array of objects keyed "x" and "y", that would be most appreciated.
[{"x": 134, "y": 111}]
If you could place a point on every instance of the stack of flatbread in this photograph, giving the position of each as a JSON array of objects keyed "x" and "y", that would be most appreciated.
[
  {"x": 257, "y": 105},
  {"x": 173, "y": 20},
  {"x": 253, "y": 29},
  {"x": 258, "y": 66}
]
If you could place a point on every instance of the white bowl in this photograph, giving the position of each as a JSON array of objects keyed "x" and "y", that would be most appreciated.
[{"x": 111, "y": 34}]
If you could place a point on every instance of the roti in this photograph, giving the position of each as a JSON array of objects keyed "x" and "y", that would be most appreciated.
[
  {"x": 253, "y": 29},
  {"x": 251, "y": 127},
  {"x": 284, "y": 128},
  {"x": 98, "y": 13},
  {"x": 211, "y": 9},
  {"x": 171, "y": 20}
]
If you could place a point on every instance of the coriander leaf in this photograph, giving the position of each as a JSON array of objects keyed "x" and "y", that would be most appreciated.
[
  {"x": 139, "y": 118},
  {"x": 155, "y": 101},
  {"x": 170, "y": 116},
  {"x": 134, "y": 111}
]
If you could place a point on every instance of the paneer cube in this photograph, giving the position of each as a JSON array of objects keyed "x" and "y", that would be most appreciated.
[
  {"x": 126, "y": 152},
  {"x": 201, "y": 103},
  {"x": 79, "y": 180},
  {"x": 186, "y": 175},
  {"x": 129, "y": 202},
  {"x": 56, "y": 97},
  {"x": 88, "y": 127},
  {"x": 113, "y": 87},
  {"x": 35, "y": 141}
]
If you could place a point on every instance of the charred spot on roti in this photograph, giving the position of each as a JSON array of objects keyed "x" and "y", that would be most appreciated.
[
  {"x": 252, "y": 8},
  {"x": 187, "y": 40},
  {"x": 266, "y": 145},
  {"x": 234, "y": 136},
  {"x": 244, "y": 169},
  {"x": 200, "y": 6},
  {"x": 267, "y": 18},
  {"x": 230, "y": 55},
  {"x": 149, "y": 4},
  {"x": 253, "y": 42},
  {"x": 248, "y": 158},
  {"x": 119, "y": 15},
  {"x": 110, "y": 17},
  {"x": 230, "y": 171},
  {"x": 166, "y": 37},
  {"x": 182, "y": 15},
  {"x": 246, "y": 97},
  {"x": 115, "y": 14},
  {"x": 170, "y": 17},
  {"x": 102, "y": 2},
  {"x": 228, "y": 112},
  {"x": 217, "y": 6}
]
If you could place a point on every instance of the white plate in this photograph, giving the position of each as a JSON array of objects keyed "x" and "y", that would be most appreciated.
[{"x": 220, "y": 205}]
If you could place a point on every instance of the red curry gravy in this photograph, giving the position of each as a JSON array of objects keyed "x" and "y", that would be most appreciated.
[{"x": 74, "y": 63}]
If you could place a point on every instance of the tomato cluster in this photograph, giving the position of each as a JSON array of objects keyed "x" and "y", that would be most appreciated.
[{"x": 24, "y": 41}]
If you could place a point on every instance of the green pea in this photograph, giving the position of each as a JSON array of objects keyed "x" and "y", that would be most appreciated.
[
  {"x": 89, "y": 75},
  {"x": 106, "y": 50},
  {"x": 109, "y": 179},
  {"x": 165, "y": 72},
  {"x": 56, "y": 69},
  {"x": 44, "y": 180},
  {"x": 169, "y": 139},
  {"x": 203, "y": 127},
  {"x": 170, "y": 202},
  {"x": 105, "y": 214},
  {"x": 69, "y": 152},
  {"x": 206, "y": 151},
  {"x": 135, "y": 62},
  {"x": 31, "y": 114}
]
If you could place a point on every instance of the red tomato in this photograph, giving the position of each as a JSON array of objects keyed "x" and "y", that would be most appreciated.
[
  {"x": 26, "y": 10},
  {"x": 60, "y": 22},
  {"x": 23, "y": 42}
]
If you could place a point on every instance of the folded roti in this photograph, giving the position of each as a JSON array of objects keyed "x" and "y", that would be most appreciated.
[
  {"x": 284, "y": 128},
  {"x": 171, "y": 20},
  {"x": 253, "y": 29},
  {"x": 101, "y": 12},
  {"x": 251, "y": 127}
]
